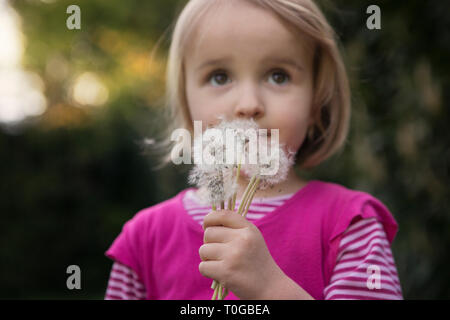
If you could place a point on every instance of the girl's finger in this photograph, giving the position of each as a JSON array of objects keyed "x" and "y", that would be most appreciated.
[
  {"x": 224, "y": 218},
  {"x": 211, "y": 269},
  {"x": 217, "y": 234},
  {"x": 211, "y": 251}
]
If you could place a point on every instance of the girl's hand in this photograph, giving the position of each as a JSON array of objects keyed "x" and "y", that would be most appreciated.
[{"x": 235, "y": 254}]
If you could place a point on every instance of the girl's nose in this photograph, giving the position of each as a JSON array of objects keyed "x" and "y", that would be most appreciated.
[{"x": 249, "y": 104}]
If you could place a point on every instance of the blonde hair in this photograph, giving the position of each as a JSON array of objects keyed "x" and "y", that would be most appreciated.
[{"x": 331, "y": 97}]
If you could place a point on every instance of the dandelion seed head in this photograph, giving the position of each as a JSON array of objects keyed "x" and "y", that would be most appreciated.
[
  {"x": 217, "y": 180},
  {"x": 284, "y": 163},
  {"x": 273, "y": 170}
]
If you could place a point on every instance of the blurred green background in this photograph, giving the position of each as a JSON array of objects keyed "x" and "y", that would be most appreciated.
[{"x": 75, "y": 106}]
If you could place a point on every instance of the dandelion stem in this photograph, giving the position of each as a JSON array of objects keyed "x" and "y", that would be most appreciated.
[
  {"x": 225, "y": 293},
  {"x": 251, "y": 195},
  {"x": 214, "y": 295},
  {"x": 216, "y": 290},
  {"x": 220, "y": 289},
  {"x": 247, "y": 199},
  {"x": 238, "y": 172},
  {"x": 214, "y": 283},
  {"x": 244, "y": 197}
]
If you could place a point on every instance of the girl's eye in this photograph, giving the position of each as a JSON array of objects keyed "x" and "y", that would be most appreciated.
[
  {"x": 279, "y": 76},
  {"x": 219, "y": 77}
]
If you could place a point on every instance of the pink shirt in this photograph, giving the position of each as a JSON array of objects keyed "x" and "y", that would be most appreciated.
[{"x": 318, "y": 216}]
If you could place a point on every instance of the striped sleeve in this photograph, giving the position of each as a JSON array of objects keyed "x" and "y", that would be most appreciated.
[
  {"x": 259, "y": 207},
  {"x": 124, "y": 284},
  {"x": 365, "y": 268}
]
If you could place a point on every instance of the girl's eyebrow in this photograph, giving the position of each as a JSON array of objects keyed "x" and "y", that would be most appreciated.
[
  {"x": 285, "y": 61},
  {"x": 213, "y": 62}
]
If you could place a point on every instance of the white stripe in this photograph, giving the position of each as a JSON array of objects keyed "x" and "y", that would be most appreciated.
[
  {"x": 275, "y": 198},
  {"x": 358, "y": 224},
  {"x": 260, "y": 209},
  {"x": 364, "y": 242},
  {"x": 363, "y": 284},
  {"x": 370, "y": 236},
  {"x": 129, "y": 288},
  {"x": 116, "y": 293},
  {"x": 191, "y": 212},
  {"x": 254, "y": 216},
  {"x": 257, "y": 205},
  {"x": 271, "y": 202},
  {"x": 134, "y": 286},
  {"x": 360, "y": 233},
  {"x": 188, "y": 206},
  {"x": 128, "y": 282},
  {"x": 344, "y": 264},
  {"x": 251, "y": 209},
  {"x": 358, "y": 274},
  {"x": 126, "y": 279},
  {"x": 358, "y": 284},
  {"x": 393, "y": 281},
  {"x": 191, "y": 195},
  {"x": 365, "y": 265},
  {"x": 374, "y": 247},
  {"x": 374, "y": 250},
  {"x": 249, "y": 216},
  {"x": 390, "y": 269},
  {"x": 371, "y": 294},
  {"x": 192, "y": 203},
  {"x": 363, "y": 278},
  {"x": 121, "y": 267},
  {"x": 121, "y": 294},
  {"x": 199, "y": 217}
]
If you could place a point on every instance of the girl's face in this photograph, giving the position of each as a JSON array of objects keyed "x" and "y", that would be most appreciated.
[{"x": 248, "y": 64}]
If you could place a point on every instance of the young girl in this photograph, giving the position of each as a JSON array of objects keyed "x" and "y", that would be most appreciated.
[{"x": 275, "y": 61}]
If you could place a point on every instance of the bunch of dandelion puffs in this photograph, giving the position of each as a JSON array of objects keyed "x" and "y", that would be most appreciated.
[{"x": 217, "y": 180}]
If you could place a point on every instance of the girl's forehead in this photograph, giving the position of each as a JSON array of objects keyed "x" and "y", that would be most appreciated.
[
  {"x": 244, "y": 31},
  {"x": 235, "y": 25}
]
